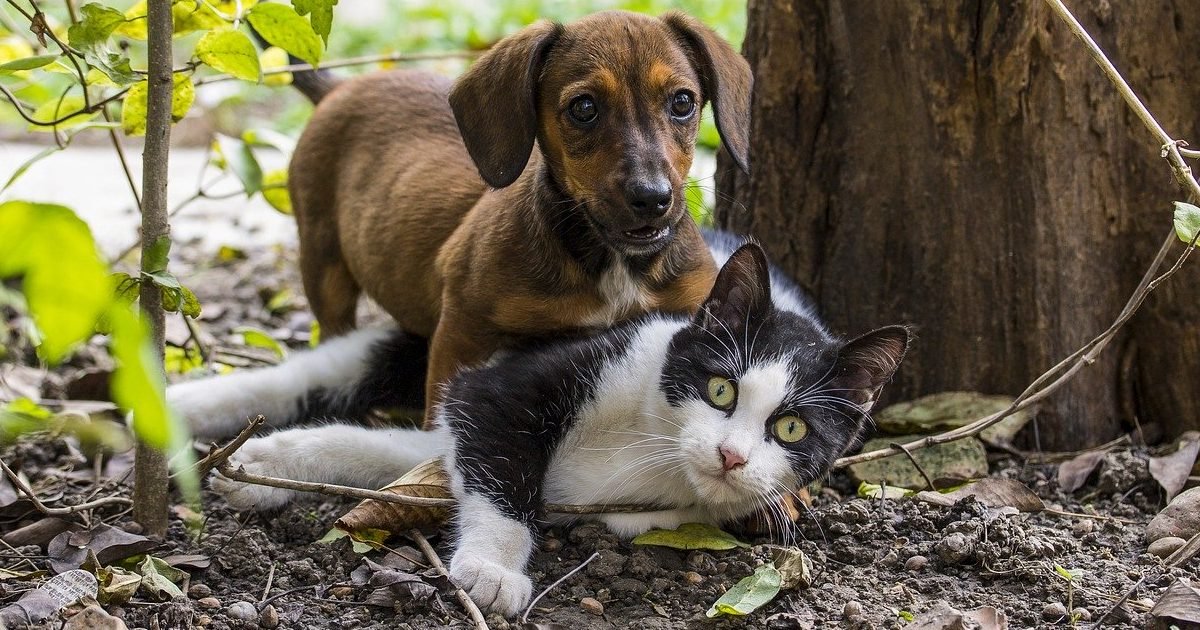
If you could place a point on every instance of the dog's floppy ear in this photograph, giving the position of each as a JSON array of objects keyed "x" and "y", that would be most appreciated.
[
  {"x": 495, "y": 103},
  {"x": 725, "y": 78}
]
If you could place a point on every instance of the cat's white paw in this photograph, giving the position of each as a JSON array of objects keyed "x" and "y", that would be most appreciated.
[
  {"x": 493, "y": 587},
  {"x": 260, "y": 456}
]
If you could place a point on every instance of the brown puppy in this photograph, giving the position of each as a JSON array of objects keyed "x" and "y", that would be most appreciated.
[{"x": 586, "y": 228}]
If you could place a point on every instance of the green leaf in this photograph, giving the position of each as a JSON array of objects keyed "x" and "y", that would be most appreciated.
[
  {"x": 319, "y": 12},
  {"x": 314, "y": 334},
  {"x": 133, "y": 115},
  {"x": 240, "y": 159},
  {"x": 117, "y": 585},
  {"x": 281, "y": 26},
  {"x": 137, "y": 384},
  {"x": 690, "y": 536},
  {"x": 905, "y": 615},
  {"x": 181, "y": 300},
  {"x": 178, "y": 360},
  {"x": 230, "y": 51},
  {"x": 96, "y": 24},
  {"x": 164, "y": 279},
  {"x": 66, "y": 283},
  {"x": 112, "y": 65},
  {"x": 275, "y": 190},
  {"x": 38, "y": 157},
  {"x": 748, "y": 595},
  {"x": 189, "y": 16},
  {"x": 159, "y": 578},
  {"x": 271, "y": 59},
  {"x": 158, "y": 254},
  {"x": 26, "y": 63},
  {"x": 1187, "y": 221},
  {"x": 877, "y": 491},
  {"x": 1069, "y": 575},
  {"x": 256, "y": 338},
  {"x": 56, "y": 108}
]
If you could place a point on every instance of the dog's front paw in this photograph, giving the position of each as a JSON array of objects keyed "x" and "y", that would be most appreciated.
[
  {"x": 259, "y": 456},
  {"x": 492, "y": 586}
]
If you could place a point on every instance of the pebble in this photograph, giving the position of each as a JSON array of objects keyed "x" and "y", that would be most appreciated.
[
  {"x": 1180, "y": 519},
  {"x": 1164, "y": 547},
  {"x": 592, "y": 605},
  {"x": 1083, "y": 528},
  {"x": 1082, "y": 614},
  {"x": 916, "y": 563},
  {"x": 954, "y": 549},
  {"x": 242, "y": 611},
  {"x": 693, "y": 578},
  {"x": 199, "y": 590},
  {"x": 341, "y": 592},
  {"x": 1054, "y": 612},
  {"x": 550, "y": 545},
  {"x": 208, "y": 602},
  {"x": 852, "y": 610},
  {"x": 203, "y": 621},
  {"x": 269, "y": 617}
]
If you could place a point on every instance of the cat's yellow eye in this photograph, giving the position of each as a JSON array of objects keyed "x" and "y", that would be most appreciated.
[
  {"x": 790, "y": 429},
  {"x": 721, "y": 392}
]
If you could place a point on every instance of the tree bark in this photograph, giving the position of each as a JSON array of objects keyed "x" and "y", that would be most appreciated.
[
  {"x": 151, "y": 481},
  {"x": 965, "y": 167}
]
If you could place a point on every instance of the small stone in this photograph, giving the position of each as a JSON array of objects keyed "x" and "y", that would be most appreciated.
[
  {"x": 209, "y": 603},
  {"x": 1054, "y": 612},
  {"x": 693, "y": 578},
  {"x": 1083, "y": 528},
  {"x": 1164, "y": 547},
  {"x": 954, "y": 549},
  {"x": 852, "y": 610},
  {"x": 269, "y": 617},
  {"x": 94, "y": 618},
  {"x": 915, "y": 563},
  {"x": 203, "y": 621},
  {"x": 1080, "y": 613},
  {"x": 1180, "y": 519},
  {"x": 550, "y": 545},
  {"x": 592, "y": 606},
  {"x": 199, "y": 590},
  {"x": 341, "y": 592},
  {"x": 242, "y": 611}
]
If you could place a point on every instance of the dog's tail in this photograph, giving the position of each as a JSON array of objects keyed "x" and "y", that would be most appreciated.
[
  {"x": 314, "y": 83},
  {"x": 343, "y": 378}
]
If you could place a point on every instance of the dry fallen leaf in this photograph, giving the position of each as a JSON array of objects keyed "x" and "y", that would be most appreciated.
[
  {"x": 428, "y": 479},
  {"x": 992, "y": 492},
  {"x": 1073, "y": 473},
  {"x": 69, "y": 550},
  {"x": 1179, "y": 605},
  {"x": 1172, "y": 471},
  {"x": 795, "y": 569},
  {"x": 387, "y": 586},
  {"x": 943, "y": 617},
  {"x": 57, "y": 593}
]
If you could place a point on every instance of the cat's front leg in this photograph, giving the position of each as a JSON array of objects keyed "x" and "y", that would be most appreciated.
[{"x": 490, "y": 556}]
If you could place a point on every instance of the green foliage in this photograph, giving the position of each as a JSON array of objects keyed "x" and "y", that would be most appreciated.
[
  {"x": 230, "y": 51},
  {"x": 26, "y": 63},
  {"x": 280, "y": 25},
  {"x": 97, "y": 23},
  {"x": 1187, "y": 221},
  {"x": 68, "y": 110},
  {"x": 256, "y": 338},
  {"x": 133, "y": 116},
  {"x": 690, "y": 536},
  {"x": 749, "y": 594},
  {"x": 320, "y": 13}
]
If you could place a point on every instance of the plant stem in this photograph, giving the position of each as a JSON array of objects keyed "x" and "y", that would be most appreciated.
[{"x": 151, "y": 482}]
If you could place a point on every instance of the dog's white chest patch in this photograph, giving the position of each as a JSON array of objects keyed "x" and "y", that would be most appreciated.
[{"x": 621, "y": 293}]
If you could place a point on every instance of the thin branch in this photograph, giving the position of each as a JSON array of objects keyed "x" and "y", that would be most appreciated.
[
  {"x": 61, "y": 119},
  {"x": 463, "y": 598},
  {"x": 241, "y": 475},
  {"x": 1184, "y": 553},
  {"x": 120, "y": 149},
  {"x": 354, "y": 61},
  {"x": 916, "y": 464},
  {"x": 525, "y": 617},
  {"x": 24, "y": 489},
  {"x": 218, "y": 456}
]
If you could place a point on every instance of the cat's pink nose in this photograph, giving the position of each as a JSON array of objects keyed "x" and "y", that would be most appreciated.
[{"x": 730, "y": 458}]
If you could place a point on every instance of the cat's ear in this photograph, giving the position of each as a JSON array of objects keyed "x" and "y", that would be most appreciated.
[
  {"x": 741, "y": 295},
  {"x": 865, "y": 364}
]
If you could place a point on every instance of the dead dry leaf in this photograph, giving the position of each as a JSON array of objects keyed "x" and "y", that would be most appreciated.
[
  {"x": 57, "y": 593},
  {"x": 387, "y": 586},
  {"x": 960, "y": 459},
  {"x": 1180, "y": 604},
  {"x": 992, "y": 492},
  {"x": 1073, "y": 473},
  {"x": 428, "y": 479},
  {"x": 69, "y": 550},
  {"x": 944, "y": 411},
  {"x": 1172, "y": 471},
  {"x": 795, "y": 569}
]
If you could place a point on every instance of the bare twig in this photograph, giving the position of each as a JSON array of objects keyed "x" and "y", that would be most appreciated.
[
  {"x": 1184, "y": 553},
  {"x": 270, "y": 583},
  {"x": 241, "y": 475},
  {"x": 218, "y": 456},
  {"x": 1117, "y": 604},
  {"x": 917, "y": 465},
  {"x": 355, "y": 61},
  {"x": 525, "y": 617},
  {"x": 1054, "y": 378},
  {"x": 24, "y": 489},
  {"x": 463, "y": 598}
]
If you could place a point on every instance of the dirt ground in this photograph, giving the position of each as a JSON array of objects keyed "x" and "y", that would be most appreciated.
[{"x": 876, "y": 562}]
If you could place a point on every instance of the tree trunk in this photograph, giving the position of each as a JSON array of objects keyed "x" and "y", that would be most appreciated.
[
  {"x": 151, "y": 482},
  {"x": 965, "y": 167}
]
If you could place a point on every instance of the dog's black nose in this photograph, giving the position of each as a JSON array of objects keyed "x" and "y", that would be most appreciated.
[{"x": 649, "y": 199}]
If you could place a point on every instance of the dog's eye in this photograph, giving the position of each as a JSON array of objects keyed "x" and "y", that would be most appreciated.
[
  {"x": 683, "y": 104},
  {"x": 582, "y": 109}
]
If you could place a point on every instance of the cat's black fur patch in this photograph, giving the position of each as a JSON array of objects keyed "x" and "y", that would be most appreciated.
[{"x": 395, "y": 377}]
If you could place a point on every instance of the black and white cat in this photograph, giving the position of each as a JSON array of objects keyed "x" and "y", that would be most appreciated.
[{"x": 711, "y": 419}]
